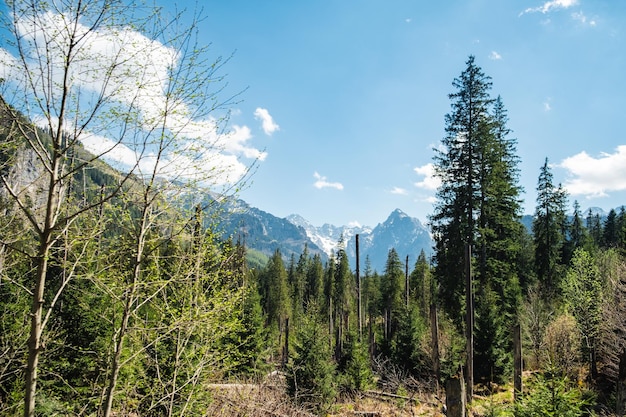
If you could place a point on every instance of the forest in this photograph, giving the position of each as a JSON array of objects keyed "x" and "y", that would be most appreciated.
[{"x": 120, "y": 297}]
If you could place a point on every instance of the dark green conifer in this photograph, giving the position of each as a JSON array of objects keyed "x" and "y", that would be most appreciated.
[
  {"x": 549, "y": 226},
  {"x": 478, "y": 205}
]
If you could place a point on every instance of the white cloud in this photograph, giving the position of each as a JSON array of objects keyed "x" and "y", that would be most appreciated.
[
  {"x": 550, "y": 5},
  {"x": 133, "y": 71},
  {"x": 399, "y": 191},
  {"x": 236, "y": 143},
  {"x": 430, "y": 181},
  {"x": 495, "y": 56},
  {"x": 546, "y": 106},
  {"x": 269, "y": 126},
  {"x": 322, "y": 182},
  {"x": 595, "y": 177},
  {"x": 8, "y": 63},
  {"x": 111, "y": 151},
  {"x": 582, "y": 18}
]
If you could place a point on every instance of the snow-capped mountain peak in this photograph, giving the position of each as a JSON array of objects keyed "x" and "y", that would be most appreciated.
[
  {"x": 400, "y": 231},
  {"x": 327, "y": 236}
]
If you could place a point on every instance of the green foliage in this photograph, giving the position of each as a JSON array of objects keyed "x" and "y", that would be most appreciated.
[
  {"x": 343, "y": 301},
  {"x": 549, "y": 226},
  {"x": 408, "y": 348},
  {"x": 356, "y": 367},
  {"x": 578, "y": 236},
  {"x": 311, "y": 374},
  {"x": 552, "y": 395},
  {"x": 478, "y": 206},
  {"x": 421, "y": 284},
  {"x": 492, "y": 342},
  {"x": 371, "y": 291},
  {"x": 392, "y": 302},
  {"x": 535, "y": 315},
  {"x": 582, "y": 291},
  {"x": 249, "y": 342},
  {"x": 451, "y": 347},
  {"x": 14, "y": 308},
  {"x": 274, "y": 290},
  {"x": 611, "y": 339},
  {"x": 561, "y": 346},
  {"x": 314, "y": 290},
  {"x": 256, "y": 259}
]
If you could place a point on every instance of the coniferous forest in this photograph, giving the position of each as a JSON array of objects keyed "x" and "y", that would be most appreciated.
[{"x": 119, "y": 296}]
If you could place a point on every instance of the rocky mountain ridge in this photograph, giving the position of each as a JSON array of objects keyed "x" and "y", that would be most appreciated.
[{"x": 261, "y": 231}]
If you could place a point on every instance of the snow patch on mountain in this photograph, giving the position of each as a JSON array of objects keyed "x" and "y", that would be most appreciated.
[
  {"x": 327, "y": 236},
  {"x": 400, "y": 231}
]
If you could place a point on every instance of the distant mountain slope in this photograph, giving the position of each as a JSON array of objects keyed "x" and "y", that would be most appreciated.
[
  {"x": 327, "y": 236},
  {"x": 404, "y": 233},
  {"x": 400, "y": 231},
  {"x": 265, "y": 232}
]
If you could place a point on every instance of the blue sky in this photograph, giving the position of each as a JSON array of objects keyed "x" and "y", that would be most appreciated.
[
  {"x": 344, "y": 100},
  {"x": 358, "y": 93}
]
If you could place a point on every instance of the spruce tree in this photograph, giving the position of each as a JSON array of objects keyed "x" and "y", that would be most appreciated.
[
  {"x": 457, "y": 164},
  {"x": 577, "y": 235},
  {"x": 594, "y": 226},
  {"x": 478, "y": 204},
  {"x": 310, "y": 376},
  {"x": 314, "y": 288},
  {"x": 392, "y": 290},
  {"x": 343, "y": 297},
  {"x": 621, "y": 228},
  {"x": 420, "y": 281},
  {"x": 610, "y": 232},
  {"x": 371, "y": 302},
  {"x": 500, "y": 229},
  {"x": 549, "y": 225},
  {"x": 408, "y": 352},
  {"x": 275, "y": 291}
]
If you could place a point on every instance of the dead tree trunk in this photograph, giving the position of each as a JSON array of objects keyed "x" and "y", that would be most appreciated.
[
  {"x": 434, "y": 329},
  {"x": 517, "y": 362},
  {"x": 469, "y": 322}
]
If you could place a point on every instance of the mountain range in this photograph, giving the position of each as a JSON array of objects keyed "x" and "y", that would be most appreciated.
[{"x": 263, "y": 232}]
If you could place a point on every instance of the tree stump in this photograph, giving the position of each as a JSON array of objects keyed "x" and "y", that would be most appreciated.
[{"x": 455, "y": 397}]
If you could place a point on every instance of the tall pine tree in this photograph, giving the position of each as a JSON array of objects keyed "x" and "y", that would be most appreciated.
[{"x": 478, "y": 205}]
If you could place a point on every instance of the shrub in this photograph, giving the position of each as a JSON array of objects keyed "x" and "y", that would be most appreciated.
[
  {"x": 550, "y": 395},
  {"x": 310, "y": 376}
]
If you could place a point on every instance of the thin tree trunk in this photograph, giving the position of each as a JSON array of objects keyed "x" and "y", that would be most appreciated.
[
  {"x": 469, "y": 322},
  {"x": 36, "y": 327},
  {"x": 406, "y": 281},
  {"x": 34, "y": 341},
  {"x": 117, "y": 357},
  {"x": 434, "y": 329},
  {"x": 517, "y": 363},
  {"x": 358, "y": 289},
  {"x": 128, "y": 310}
]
